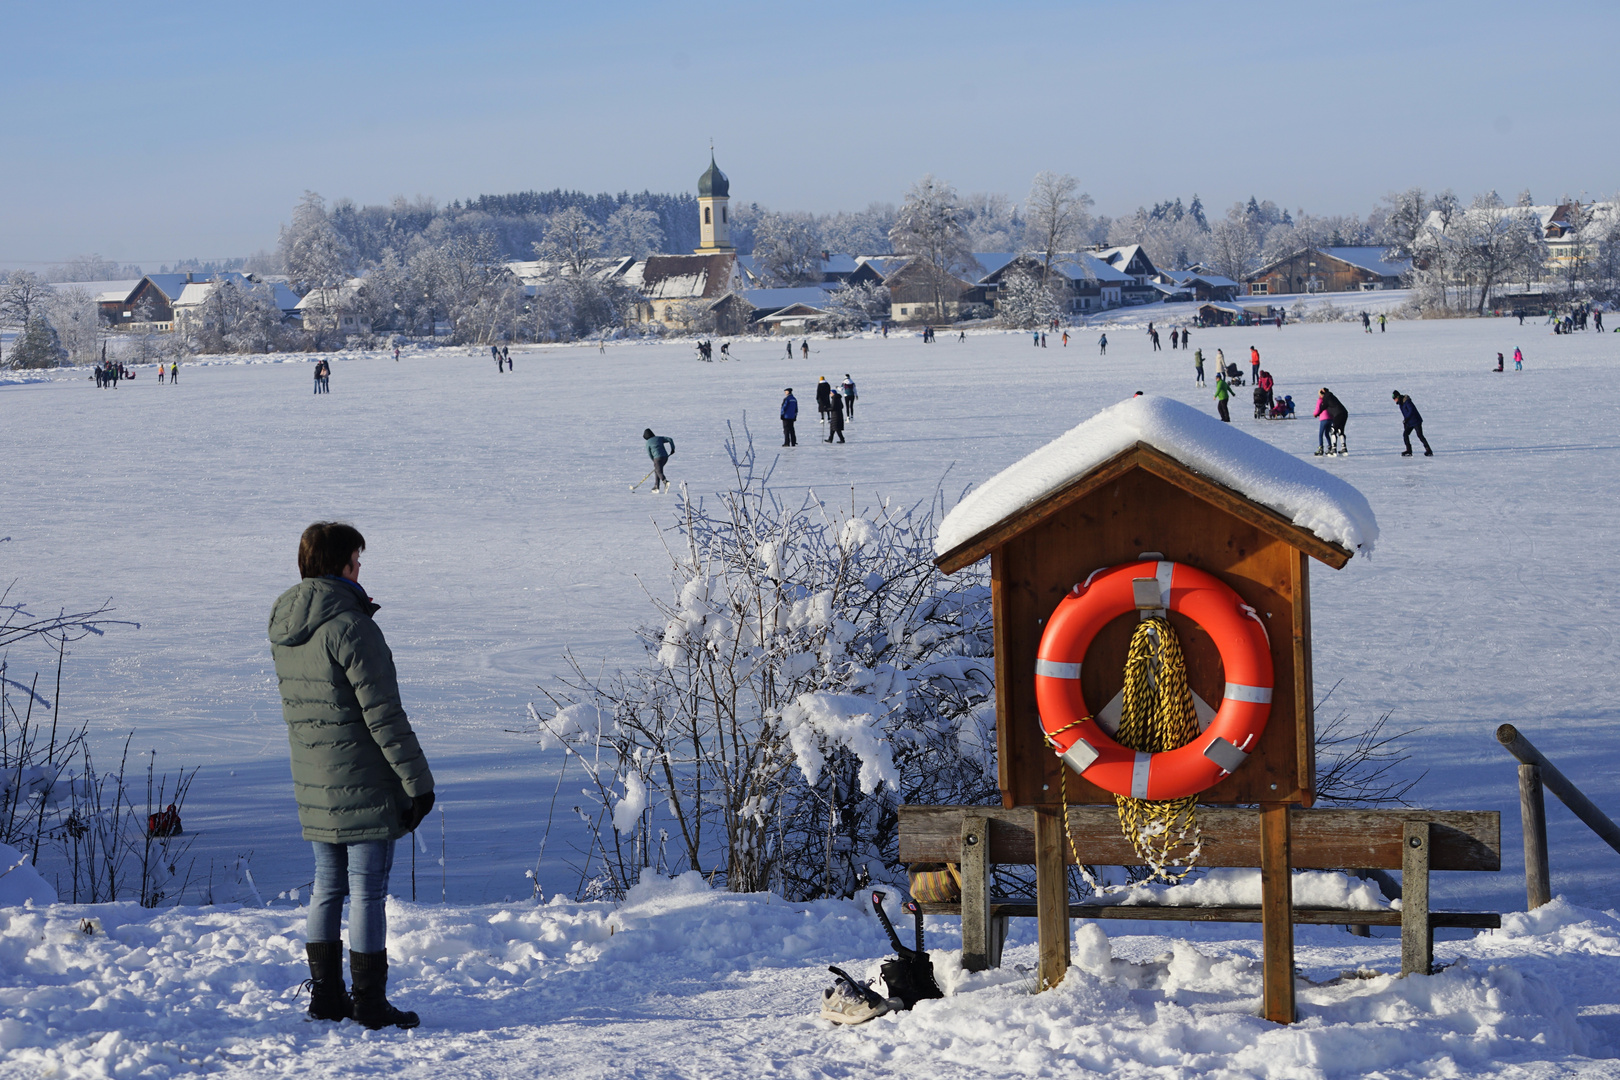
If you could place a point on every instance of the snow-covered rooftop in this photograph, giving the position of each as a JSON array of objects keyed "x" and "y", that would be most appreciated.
[
  {"x": 1312, "y": 498},
  {"x": 1370, "y": 258}
]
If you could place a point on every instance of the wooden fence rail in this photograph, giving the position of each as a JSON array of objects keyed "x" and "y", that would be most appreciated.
[{"x": 1536, "y": 772}]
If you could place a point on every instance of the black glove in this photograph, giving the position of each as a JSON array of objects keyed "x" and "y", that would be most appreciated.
[{"x": 421, "y": 806}]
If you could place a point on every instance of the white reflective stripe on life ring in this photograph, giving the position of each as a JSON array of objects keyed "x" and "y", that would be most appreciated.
[
  {"x": 1260, "y": 695},
  {"x": 1057, "y": 669},
  {"x": 1139, "y": 774}
]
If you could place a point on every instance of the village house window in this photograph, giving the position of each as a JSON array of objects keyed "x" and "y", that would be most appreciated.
[
  {"x": 1259, "y": 288},
  {"x": 902, "y": 311}
]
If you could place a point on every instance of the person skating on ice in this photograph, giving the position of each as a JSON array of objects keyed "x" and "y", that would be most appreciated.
[
  {"x": 823, "y": 394},
  {"x": 1411, "y": 424},
  {"x": 1222, "y": 393},
  {"x": 835, "y": 416},
  {"x": 790, "y": 413},
  {"x": 659, "y": 448},
  {"x": 847, "y": 388}
]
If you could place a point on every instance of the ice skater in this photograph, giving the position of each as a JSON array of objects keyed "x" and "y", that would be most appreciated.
[
  {"x": 1411, "y": 424},
  {"x": 656, "y": 449},
  {"x": 790, "y": 413},
  {"x": 1198, "y": 366},
  {"x": 1222, "y": 393},
  {"x": 1518, "y": 359},
  {"x": 823, "y": 399},
  {"x": 835, "y": 416},
  {"x": 1102, "y": 343},
  {"x": 500, "y": 365},
  {"x": 848, "y": 389},
  {"x": 790, "y": 349},
  {"x": 1332, "y": 414}
]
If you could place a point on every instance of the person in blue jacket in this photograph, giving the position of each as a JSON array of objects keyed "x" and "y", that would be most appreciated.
[
  {"x": 656, "y": 450},
  {"x": 1411, "y": 424},
  {"x": 790, "y": 413}
]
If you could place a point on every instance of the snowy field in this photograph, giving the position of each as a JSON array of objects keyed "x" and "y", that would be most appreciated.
[{"x": 501, "y": 532}]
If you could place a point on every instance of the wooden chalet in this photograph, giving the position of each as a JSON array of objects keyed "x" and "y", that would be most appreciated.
[{"x": 1328, "y": 269}]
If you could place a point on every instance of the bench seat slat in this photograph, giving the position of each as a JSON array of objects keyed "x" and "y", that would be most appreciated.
[
  {"x": 1475, "y": 920},
  {"x": 1322, "y": 839}
]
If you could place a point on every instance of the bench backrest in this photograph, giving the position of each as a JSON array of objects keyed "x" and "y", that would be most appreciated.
[{"x": 1320, "y": 839}]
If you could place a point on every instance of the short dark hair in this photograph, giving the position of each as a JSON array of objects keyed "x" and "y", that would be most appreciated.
[{"x": 326, "y": 548}]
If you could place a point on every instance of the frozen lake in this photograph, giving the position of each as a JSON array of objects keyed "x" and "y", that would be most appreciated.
[{"x": 501, "y": 532}]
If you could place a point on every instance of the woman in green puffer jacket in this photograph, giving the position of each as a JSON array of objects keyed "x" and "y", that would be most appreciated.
[{"x": 359, "y": 776}]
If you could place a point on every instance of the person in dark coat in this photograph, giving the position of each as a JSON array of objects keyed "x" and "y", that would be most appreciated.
[
  {"x": 1331, "y": 409},
  {"x": 835, "y": 416},
  {"x": 359, "y": 775},
  {"x": 823, "y": 398},
  {"x": 790, "y": 413},
  {"x": 1411, "y": 424}
]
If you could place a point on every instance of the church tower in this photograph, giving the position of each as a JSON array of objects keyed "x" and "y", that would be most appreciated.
[{"x": 714, "y": 193}]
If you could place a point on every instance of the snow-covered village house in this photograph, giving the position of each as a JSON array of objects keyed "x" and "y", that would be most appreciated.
[
  {"x": 1085, "y": 283},
  {"x": 336, "y": 307},
  {"x": 1132, "y": 261},
  {"x": 160, "y": 302},
  {"x": 918, "y": 292},
  {"x": 1328, "y": 269}
]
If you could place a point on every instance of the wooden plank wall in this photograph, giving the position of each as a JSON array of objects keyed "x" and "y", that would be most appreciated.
[{"x": 1134, "y": 513}]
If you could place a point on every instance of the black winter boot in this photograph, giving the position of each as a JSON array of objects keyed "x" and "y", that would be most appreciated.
[
  {"x": 327, "y": 998},
  {"x": 369, "y": 972}
]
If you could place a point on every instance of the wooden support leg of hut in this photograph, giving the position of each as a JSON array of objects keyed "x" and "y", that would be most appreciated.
[
  {"x": 1277, "y": 912},
  {"x": 1051, "y": 899}
]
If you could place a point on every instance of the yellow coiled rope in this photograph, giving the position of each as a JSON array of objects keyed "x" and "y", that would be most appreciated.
[{"x": 1158, "y": 715}]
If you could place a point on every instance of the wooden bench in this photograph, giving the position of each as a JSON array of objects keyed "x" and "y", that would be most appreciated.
[{"x": 1412, "y": 841}]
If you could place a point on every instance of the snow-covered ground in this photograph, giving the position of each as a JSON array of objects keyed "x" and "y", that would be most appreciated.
[{"x": 501, "y": 532}]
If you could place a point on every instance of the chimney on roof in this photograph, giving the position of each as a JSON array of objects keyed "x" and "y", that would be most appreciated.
[{"x": 188, "y": 277}]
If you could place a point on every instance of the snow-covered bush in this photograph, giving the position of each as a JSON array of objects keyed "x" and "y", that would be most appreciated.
[
  {"x": 811, "y": 671},
  {"x": 1024, "y": 302}
]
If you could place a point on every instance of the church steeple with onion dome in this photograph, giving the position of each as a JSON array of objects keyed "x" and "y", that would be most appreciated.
[{"x": 714, "y": 194}]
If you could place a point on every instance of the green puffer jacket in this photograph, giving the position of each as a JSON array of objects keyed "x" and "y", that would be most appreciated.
[{"x": 356, "y": 763}]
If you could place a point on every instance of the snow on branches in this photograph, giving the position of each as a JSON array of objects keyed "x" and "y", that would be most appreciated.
[{"x": 810, "y": 670}]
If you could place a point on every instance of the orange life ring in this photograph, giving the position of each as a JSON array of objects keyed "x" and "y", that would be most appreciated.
[{"x": 1245, "y": 654}]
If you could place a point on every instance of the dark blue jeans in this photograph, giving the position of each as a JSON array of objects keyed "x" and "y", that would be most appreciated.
[{"x": 360, "y": 872}]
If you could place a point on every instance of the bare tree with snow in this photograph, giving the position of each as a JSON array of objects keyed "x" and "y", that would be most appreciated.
[
  {"x": 572, "y": 240},
  {"x": 788, "y": 248},
  {"x": 930, "y": 226},
  {"x": 632, "y": 231},
  {"x": 1055, "y": 217}
]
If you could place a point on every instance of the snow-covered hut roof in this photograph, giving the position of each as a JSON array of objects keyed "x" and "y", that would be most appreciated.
[
  {"x": 992, "y": 261},
  {"x": 1370, "y": 258},
  {"x": 104, "y": 291},
  {"x": 1314, "y": 500},
  {"x": 769, "y": 300},
  {"x": 838, "y": 263}
]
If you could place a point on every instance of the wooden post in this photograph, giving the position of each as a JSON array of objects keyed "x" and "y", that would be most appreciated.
[
  {"x": 976, "y": 929},
  {"x": 1533, "y": 812},
  {"x": 1051, "y": 898},
  {"x": 1417, "y": 936},
  {"x": 1277, "y": 913}
]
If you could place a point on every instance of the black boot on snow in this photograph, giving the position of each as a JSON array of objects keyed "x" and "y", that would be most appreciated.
[
  {"x": 369, "y": 972},
  {"x": 327, "y": 997}
]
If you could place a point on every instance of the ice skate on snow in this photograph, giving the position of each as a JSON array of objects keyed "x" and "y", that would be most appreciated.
[{"x": 849, "y": 1002}]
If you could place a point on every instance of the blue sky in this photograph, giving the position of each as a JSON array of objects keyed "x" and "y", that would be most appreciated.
[{"x": 153, "y": 133}]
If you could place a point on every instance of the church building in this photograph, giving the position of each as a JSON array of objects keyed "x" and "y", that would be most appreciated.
[{"x": 681, "y": 291}]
